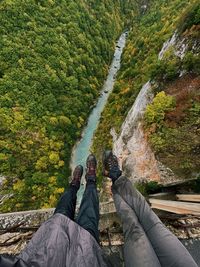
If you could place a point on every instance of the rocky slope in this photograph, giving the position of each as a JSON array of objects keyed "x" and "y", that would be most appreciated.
[
  {"x": 157, "y": 136},
  {"x": 132, "y": 145}
]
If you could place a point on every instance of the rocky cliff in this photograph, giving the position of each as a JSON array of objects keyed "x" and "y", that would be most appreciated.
[{"x": 132, "y": 145}]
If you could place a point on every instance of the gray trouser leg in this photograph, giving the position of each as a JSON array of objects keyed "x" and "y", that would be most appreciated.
[
  {"x": 167, "y": 247},
  {"x": 138, "y": 251}
]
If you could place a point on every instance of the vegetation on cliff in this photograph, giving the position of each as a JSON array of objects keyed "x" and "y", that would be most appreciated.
[
  {"x": 176, "y": 139},
  {"x": 141, "y": 63}
]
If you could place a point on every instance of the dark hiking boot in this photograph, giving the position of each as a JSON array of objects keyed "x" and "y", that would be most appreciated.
[
  {"x": 110, "y": 166},
  {"x": 77, "y": 174},
  {"x": 91, "y": 165}
]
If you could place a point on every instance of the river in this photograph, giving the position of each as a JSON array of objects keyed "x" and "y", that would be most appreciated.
[{"x": 82, "y": 148}]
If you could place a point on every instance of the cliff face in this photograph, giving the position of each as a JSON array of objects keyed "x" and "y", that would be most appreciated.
[
  {"x": 131, "y": 146},
  {"x": 137, "y": 146}
]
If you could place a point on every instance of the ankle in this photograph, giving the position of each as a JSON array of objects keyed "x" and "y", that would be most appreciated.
[
  {"x": 91, "y": 177},
  {"x": 115, "y": 173},
  {"x": 74, "y": 186},
  {"x": 91, "y": 182}
]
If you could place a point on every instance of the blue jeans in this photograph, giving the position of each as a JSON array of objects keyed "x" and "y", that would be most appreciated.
[{"x": 88, "y": 215}]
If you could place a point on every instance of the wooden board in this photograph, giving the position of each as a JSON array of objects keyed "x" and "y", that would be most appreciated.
[
  {"x": 175, "y": 206},
  {"x": 164, "y": 196},
  {"x": 192, "y": 198}
]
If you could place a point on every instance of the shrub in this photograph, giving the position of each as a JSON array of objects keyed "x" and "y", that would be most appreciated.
[
  {"x": 191, "y": 62},
  {"x": 157, "y": 141},
  {"x": 190, "y": 17},
  {"x": 172, "y": 64},
  {"x": 196, "y": 186},
  {"x": 141, "y": 187},
  {"x": 167, "y": 69},
  {"x": 146, "y": 188},
  {"x": 158, "y": 70},
  {"x": 155, "y": 112},
  {"x": 153, "y": 187},
  {"x": 172, "y": 69}
]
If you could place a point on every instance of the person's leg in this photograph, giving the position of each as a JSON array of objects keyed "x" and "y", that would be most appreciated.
[
  {"x": 67, "y": 203},
  {"x": 138, "y": 251},
  {"x": 167, "y": 247},
  {"x": 88, "y": 216}
]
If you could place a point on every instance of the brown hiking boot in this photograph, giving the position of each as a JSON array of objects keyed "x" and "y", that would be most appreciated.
[
  {"x": 77, "y": 174},
  {"x": 110, "y": 166},
  {"x": 91, "y": 165}
]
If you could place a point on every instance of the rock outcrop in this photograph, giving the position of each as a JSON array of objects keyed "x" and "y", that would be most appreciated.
[{"x": 132, "y": 147}]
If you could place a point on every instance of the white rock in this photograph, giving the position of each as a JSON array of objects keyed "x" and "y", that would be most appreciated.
[
  {"x": 167, "y": 45},
  {"x": 132, "y": 147}
]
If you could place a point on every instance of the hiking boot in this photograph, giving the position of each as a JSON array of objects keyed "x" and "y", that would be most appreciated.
[
  {"x": 110, "y": 166},
  {"x": 91, "y": 165},
  {"x": 77, "y": 174}
]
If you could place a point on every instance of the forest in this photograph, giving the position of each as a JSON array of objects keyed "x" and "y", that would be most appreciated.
[{"x": 54, "y": 57}]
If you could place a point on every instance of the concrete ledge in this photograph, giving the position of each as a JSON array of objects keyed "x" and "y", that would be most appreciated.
[
  {"x": 33, "y": 218},
  {"x": 18, "y": 227}
]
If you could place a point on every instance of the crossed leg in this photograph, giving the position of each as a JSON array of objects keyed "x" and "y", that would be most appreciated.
[
  {"x": 169, "y": 250},
  {"x": 138, "y": 251}
]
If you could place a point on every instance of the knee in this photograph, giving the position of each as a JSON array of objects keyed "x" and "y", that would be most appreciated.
[{"x": 132, "y": 231}]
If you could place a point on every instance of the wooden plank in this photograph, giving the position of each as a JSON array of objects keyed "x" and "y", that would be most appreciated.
[
  {"x": 174, "y": 209},
  {"x": 176, "y": 206},
  {"x": 164, "y": 196},
  {"x": 188, "y": 197},
  {"x": 179, "y": 182}
]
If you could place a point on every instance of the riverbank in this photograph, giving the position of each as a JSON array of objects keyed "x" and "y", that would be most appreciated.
[{"x": 82, "y": 148}]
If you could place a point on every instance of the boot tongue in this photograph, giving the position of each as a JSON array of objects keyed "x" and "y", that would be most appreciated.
[
  {"x": 91, "y": 175},
  {"x": 91, "y": 172}
]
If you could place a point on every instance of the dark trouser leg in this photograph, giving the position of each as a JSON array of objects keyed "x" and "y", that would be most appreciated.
[
  {"x": 88, "y": 216},
  {"x": 67, "y": 203}
]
